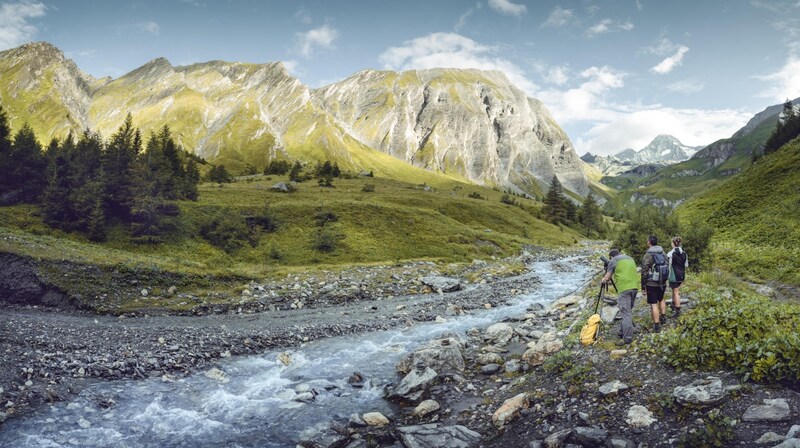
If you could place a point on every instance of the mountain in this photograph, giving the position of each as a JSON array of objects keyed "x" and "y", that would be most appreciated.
[
  {"x": 626, "y": 154},
  {"x": 664, "y": 149},
  {"x": 465, "y": 124}
]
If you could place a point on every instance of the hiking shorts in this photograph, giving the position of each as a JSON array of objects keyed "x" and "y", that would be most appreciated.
[
  {"x": 675, "y": 285},
  {"x": 655, "y": 294}
]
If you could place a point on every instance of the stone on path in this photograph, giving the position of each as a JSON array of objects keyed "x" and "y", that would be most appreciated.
[
  {"x": 546, "y": 345},
  {"x": 375, "y": 419},
  {"x": 612, "y": 387},
  {"x": 490, "y": 369},
  {"x": 414, "y": 385},
  {"x": 426, "y": 407},
  {"x": 618, "y": 354},
  {"x": 770, "y": 438},
  {"x": 443, "y": 284},
  {"x": 556, "y": 439},
  {"x": 776, "y": 410},
  {"x": 565, "y": 302},
  {"x": 789, "y": 443},
  {"x": 608, "y": 313},
  {"x": 584, "y": 436},
  {"x": 700, "y": 393},
  {"x": 794, "y": 431},
  {"x": 639, "y": 417},
  {"x": 500, "y": 333},
  {"x": 437, "y": 436},
  {"x": 489, "y": 358},
  {"x": 510, "y": 409}
]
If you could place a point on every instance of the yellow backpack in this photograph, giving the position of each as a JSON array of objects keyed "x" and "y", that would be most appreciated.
[{"x": 590, "y": 330}]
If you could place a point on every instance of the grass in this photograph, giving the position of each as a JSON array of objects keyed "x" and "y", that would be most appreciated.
[
  {"x": 755, "y": 218},
  {"x": 398, "y": 221}
]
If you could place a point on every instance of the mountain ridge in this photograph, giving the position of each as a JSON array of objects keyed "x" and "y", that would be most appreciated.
[{"x": 243, "y": 114}]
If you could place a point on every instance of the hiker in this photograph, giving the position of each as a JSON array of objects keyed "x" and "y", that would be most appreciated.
[
  {"x": 655, "y": 272},
  {"x": 623, "y": 269},
  {"x": 678, "y": 262}
]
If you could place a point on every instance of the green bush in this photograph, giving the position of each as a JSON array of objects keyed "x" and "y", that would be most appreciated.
[
  {"x": 736, "y": 329},
  {"x": 696, "y": 238},
  {"x": 646, "y": 221},
  {"x": 508, "y": 200},
  {"x": 327, "y": 239},
  {"x": 717, "y": 431},
  {"x": 324, "y": 216},
  {"x": 228, "y": 230},
  {"x": 475, "y": 195}
]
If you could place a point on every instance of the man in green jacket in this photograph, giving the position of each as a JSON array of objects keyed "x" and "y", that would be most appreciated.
[{"x": 623, "y": 269}]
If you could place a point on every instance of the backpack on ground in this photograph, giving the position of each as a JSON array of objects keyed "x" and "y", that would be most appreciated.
[
  {"x": 590, "y": 330},
  {"x": 659, "y": 272}
]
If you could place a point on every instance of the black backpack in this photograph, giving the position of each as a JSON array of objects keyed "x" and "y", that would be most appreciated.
[{"x": 660, "y": 270}]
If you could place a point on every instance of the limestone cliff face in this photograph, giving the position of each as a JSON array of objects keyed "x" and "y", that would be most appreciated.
[
  {"x": 469, "y": 122},
  {"x": 466, "y": 124}
]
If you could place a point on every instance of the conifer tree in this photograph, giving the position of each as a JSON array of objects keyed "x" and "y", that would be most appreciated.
[
  {"x": 118, "y": 164},
  {"x": 24, "y": 168},
  {"x": 191, "y": 181},
  {"x": 294, "y": 174},
  {"x": 87, "y": 180},
  {"x": 96, "y": 225},
  {"x": 590, "y": 216},
  {"x": 56, "y": 203},
  {"x": 5, "y": 153},
  {"x": 555, "y": 204}
]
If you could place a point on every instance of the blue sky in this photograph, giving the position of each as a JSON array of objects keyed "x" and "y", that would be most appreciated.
[{"x": 613, "y": 73}]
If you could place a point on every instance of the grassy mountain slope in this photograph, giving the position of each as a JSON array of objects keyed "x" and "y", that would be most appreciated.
[
  {"x": 756, "y": 218},
  {"x": 398, "y": 221}
]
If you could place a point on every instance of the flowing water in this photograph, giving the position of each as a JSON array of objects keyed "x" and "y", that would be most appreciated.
[{"x": 257, "y": 406}]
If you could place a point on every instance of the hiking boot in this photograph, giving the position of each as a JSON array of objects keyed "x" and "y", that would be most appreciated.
[
  {"x": 676, "y": 312},
  {"x": 657, "y": 327},
  {"x": 663, "y": 319}
]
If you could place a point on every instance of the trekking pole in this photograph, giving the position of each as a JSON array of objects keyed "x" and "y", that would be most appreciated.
[{"x": 599, "y": 297}]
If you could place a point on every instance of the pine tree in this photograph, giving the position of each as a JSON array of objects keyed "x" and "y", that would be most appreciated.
[
  {"x": 294, "y": 174},
  {"x": 555, "y": 204},
  {"x": 219, "y": 174},
  {"x": 590, "y": 216},
  {"x": 191, "y": 180},
  {"x": 118, "y": 163},
  {"x": 56, "y": 203},
  {"x": 5, "y": 153},
  {"x": 96, "y": 226},
  {"x": 86, "y": 177},
  {"x": 24, "y": 168}
]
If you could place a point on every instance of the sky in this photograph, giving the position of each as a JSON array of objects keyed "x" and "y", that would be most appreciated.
[{"x": 614, "y": 74}]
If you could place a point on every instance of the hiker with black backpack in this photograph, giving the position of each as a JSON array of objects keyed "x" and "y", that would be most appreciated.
[
  {"x": 678, "y": 262},
  {"x": 655, "y": 271}
]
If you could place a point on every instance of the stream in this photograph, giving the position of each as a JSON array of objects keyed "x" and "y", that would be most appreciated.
[{"x": 255, "y": 404}]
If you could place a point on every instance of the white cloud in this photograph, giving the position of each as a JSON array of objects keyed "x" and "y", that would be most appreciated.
[
  {"x": 318, "y": 38},
  {"x": 785, "y": 83},
  {"x": 669, "y": 63},
  {"x": 15, "y": 28},
  {"x": 639, "y": 5},
  {"x": 559, "y": 17},
  {"x": 686, "y": 86},
  {"x": 293, "y": 67},
  {"x": 452, "y": 50},
  {"x": 507, "y": 7},
  {"x": 692, "y": 127},
  {"x": 608, "y": 26},
  {"x": 661, "y": 47},
  {"x": 462, "y": 20},
  {"x": 149, "y": 27},
  {"x": 557, "y": 75},
  {"x": 588, "y": 101},
  {"x": 303, "y": 16}
]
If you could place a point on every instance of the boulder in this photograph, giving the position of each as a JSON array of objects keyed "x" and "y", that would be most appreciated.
[
  {"x": 375, "y": 419},
  {"x": 612, "y": 387},
  {"x": 565, "y": 302},
  {"x": 356, "y": 421},
  {"x": 789, "y": 443},
  {"x": 512, "y": 366},
  {"x": 499, "y": 334},
  {"x": 700, "y": 393},
  {"x": 281, "y": 187},
  {"x": 437, "y": 436},
  {"x": 426, "y": 407},
  {"x": 439, "y": 354},
  {"x": 414, "y": 384},
  {"x": 776, "y": 410},
  {"x": 621, "y": 442},
  {"x": 544, "y": 346},
  {"x": 510, "y": 409},
  {"x": 490, "y": 369},
  {"x": 584, "y": 436},
  {"x": 217, "y": 374},
  {"x": 608, "y": 313},
  {"x": 639, "y": 417},
  {"x": 793, "y": 432},
  {"x": 443, "y": 284}
]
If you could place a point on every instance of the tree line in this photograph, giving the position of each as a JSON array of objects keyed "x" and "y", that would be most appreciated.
[
  {"x": 785, "y": 131},
  {"x": 558, "y": 209},
  {"x": 87, "y": 185}
]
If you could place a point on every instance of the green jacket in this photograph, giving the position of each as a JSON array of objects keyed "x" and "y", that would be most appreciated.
[{"x": 623, "y": 269}]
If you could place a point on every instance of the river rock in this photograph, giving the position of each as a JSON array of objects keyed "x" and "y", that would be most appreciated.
[
  {"x": 375, "y": 419},
  {"x": 776, "y": 410},
  {"x": 512, "y": 366},
  {"x": 218, "y": 375},
  {"x": 584, "y": 436},
  {"x": 510, "y": 409},
  {"x": 789, "y": 443},
  {"x": 439, "y": 354},
  {"x": 621, "y": 442},
  {"x": 612, "y": 387},
  {"x": 83, "y": 423},
  {"x": 437, "y": 436},
  {"x": 500, "y": 333},
  {"x": 546, "y": 345},
  {"x": 414, "y": 384},
  {"x": 770, "y": 438},
  {"x": 426, "y": 407},
  {"x": 639, "y": 417},
  {"x": 356, "y": 421},
  {"x": 565, "y": 302},
  {"x": 489, "y": 358},
  {"x": 793, "y": 432},
  {"x": 700, "y": 393},
  {"x": 443, "y": 284},
  {"x": 285, "y": 359}
]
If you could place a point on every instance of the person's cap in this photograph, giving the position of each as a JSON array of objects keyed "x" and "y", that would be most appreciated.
[{"x": 613, "y": 253}]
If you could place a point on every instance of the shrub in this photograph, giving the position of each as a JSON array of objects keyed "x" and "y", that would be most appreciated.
[
  {"x": 508, "y": 200},
  {"x": 262, "y": 220},
  {"x": 475, "y": 195},
  {"x": 739, "y": 330},
  {"x": 327, "y": 239},
  {"x": 324, "y": 216},
  {"x": 228, "y": 230},
  {"x": 326, "y": 181},
  {"x": 717, "y": 431},
  {"x": 278, "y": 167},
  {"x": 697, "y": 241}
]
